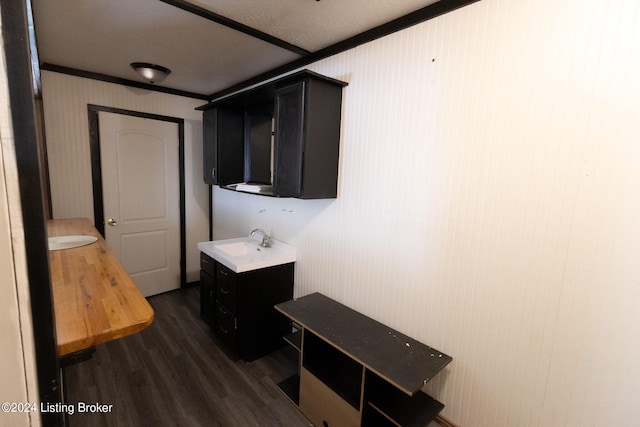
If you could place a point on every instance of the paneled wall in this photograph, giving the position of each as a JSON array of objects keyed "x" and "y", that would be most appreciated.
[
  {"x": 65, "y": 100},
  {"x": 489, "y": 206}
]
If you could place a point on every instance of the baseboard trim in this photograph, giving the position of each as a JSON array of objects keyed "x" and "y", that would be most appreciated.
[{"x": 444, "y": 422}]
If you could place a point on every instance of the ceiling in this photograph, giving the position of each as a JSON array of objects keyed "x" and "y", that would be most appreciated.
[{"x": 209, "y": 45}]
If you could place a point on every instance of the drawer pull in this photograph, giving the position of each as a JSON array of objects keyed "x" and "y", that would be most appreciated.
[
  {"x": 204, "y": 261},
  {"x": 224, "y": 291},
  {"x": 224, "y": 273},
  {"x": 222, "y": 310},
  {"x": 224, "y": 331}
]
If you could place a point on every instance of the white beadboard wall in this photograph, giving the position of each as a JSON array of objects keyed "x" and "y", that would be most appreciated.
[
  {"x": 489, "y": 206},
  {"x": 65, "y": 100}
]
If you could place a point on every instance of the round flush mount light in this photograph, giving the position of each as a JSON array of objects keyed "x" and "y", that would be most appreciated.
[{"x": 151, "y": 72}]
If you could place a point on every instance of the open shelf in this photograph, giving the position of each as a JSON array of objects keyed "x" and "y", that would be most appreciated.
[
  {"x": 294, "y": 339},
  {"x": 291, "y": 388},
  {"x": 338, "y": 371},
  {"x": 417, "y": 410}
]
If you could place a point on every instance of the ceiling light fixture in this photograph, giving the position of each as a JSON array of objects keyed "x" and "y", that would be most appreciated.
[{"x": 151, "y": 72}]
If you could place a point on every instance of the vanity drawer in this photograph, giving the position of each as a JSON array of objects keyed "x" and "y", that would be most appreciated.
[
  {"x": 207, "y": 264},
  {"x": 226, "y": 296},
  {"x": 225, "y": 325},
  {"x": 226, "y": 277}
]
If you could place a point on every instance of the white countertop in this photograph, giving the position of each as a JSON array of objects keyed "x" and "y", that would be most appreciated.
[{"x": 245, "y": 253}]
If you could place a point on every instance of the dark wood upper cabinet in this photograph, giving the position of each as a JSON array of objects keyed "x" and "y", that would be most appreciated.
[
  {"x": 284, "y": 134},
  {"x": 307, "y": 139},
  {"x": 223, "y": 151}
]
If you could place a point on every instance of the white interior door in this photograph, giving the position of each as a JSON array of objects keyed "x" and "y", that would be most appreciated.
[{"x": 141, "y": 197}]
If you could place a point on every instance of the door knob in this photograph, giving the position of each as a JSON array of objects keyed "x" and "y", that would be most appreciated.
[{"x": 112, "y": 222}]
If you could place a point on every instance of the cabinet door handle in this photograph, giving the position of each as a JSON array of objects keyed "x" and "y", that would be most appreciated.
[
  {"x": 211, "y": 295},
  {"x": 224, "y": 273},
  {"x": 224, "y": 291},
  {"x": 224, "y": 331},
  {"x": 222, "y": 310},
  {"x": 213, "y": 173}
]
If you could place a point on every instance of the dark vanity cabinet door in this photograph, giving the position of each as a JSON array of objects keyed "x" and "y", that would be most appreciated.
[
  {"x": 223, "y": 146},
  {"x": 260, "y": 328},
  {"x": 207, "y": 289},
  {"x": 307, "y": 139},
  {"x": 207, "y": 298}
]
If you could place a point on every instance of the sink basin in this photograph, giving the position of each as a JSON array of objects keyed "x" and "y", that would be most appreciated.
[
  {"x": 246, "y": 254},
  {"x": 236, "y": 249},
  {"x": 67, "y": 242}
]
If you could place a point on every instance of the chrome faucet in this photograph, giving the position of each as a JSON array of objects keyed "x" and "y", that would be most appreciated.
[{"x": 266, "y": 239}]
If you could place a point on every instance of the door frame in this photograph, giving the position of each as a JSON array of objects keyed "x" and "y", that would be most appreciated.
[
  {"x": 96, "y": 172},
  {"x": 22, "y": 96}
]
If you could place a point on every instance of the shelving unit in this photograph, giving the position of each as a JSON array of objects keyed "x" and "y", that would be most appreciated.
[{"x": 355, "y": 371}]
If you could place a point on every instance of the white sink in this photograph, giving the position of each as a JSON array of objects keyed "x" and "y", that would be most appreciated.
[
  {"x": 246, "y": 254},
  {"x": 68, "y": 242},
  {"x": 236, "y": 249}
]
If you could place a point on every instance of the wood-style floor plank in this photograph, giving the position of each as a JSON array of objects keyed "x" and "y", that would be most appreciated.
[{"x": 174, "y": 374}]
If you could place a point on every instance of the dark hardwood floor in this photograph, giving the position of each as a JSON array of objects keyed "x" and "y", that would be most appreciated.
[{"x": 174, "y": 374}]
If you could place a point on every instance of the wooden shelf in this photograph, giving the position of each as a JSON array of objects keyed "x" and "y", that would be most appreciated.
[
  {"x": 410, "y": 411},
  {"x": 294, "y": 339}
]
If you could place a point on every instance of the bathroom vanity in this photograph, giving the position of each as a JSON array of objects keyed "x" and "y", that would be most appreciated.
[{"x": 240, "y": 282}]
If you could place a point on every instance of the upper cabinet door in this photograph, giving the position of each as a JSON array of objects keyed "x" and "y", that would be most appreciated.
[
  {"x": 223, "y": 146},
  {"x": 289, "y": 140},
  {"x": 209, "y": 144}
]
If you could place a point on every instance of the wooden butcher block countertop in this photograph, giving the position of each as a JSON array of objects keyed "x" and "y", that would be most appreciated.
[{"x": 94, "y": 298}]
